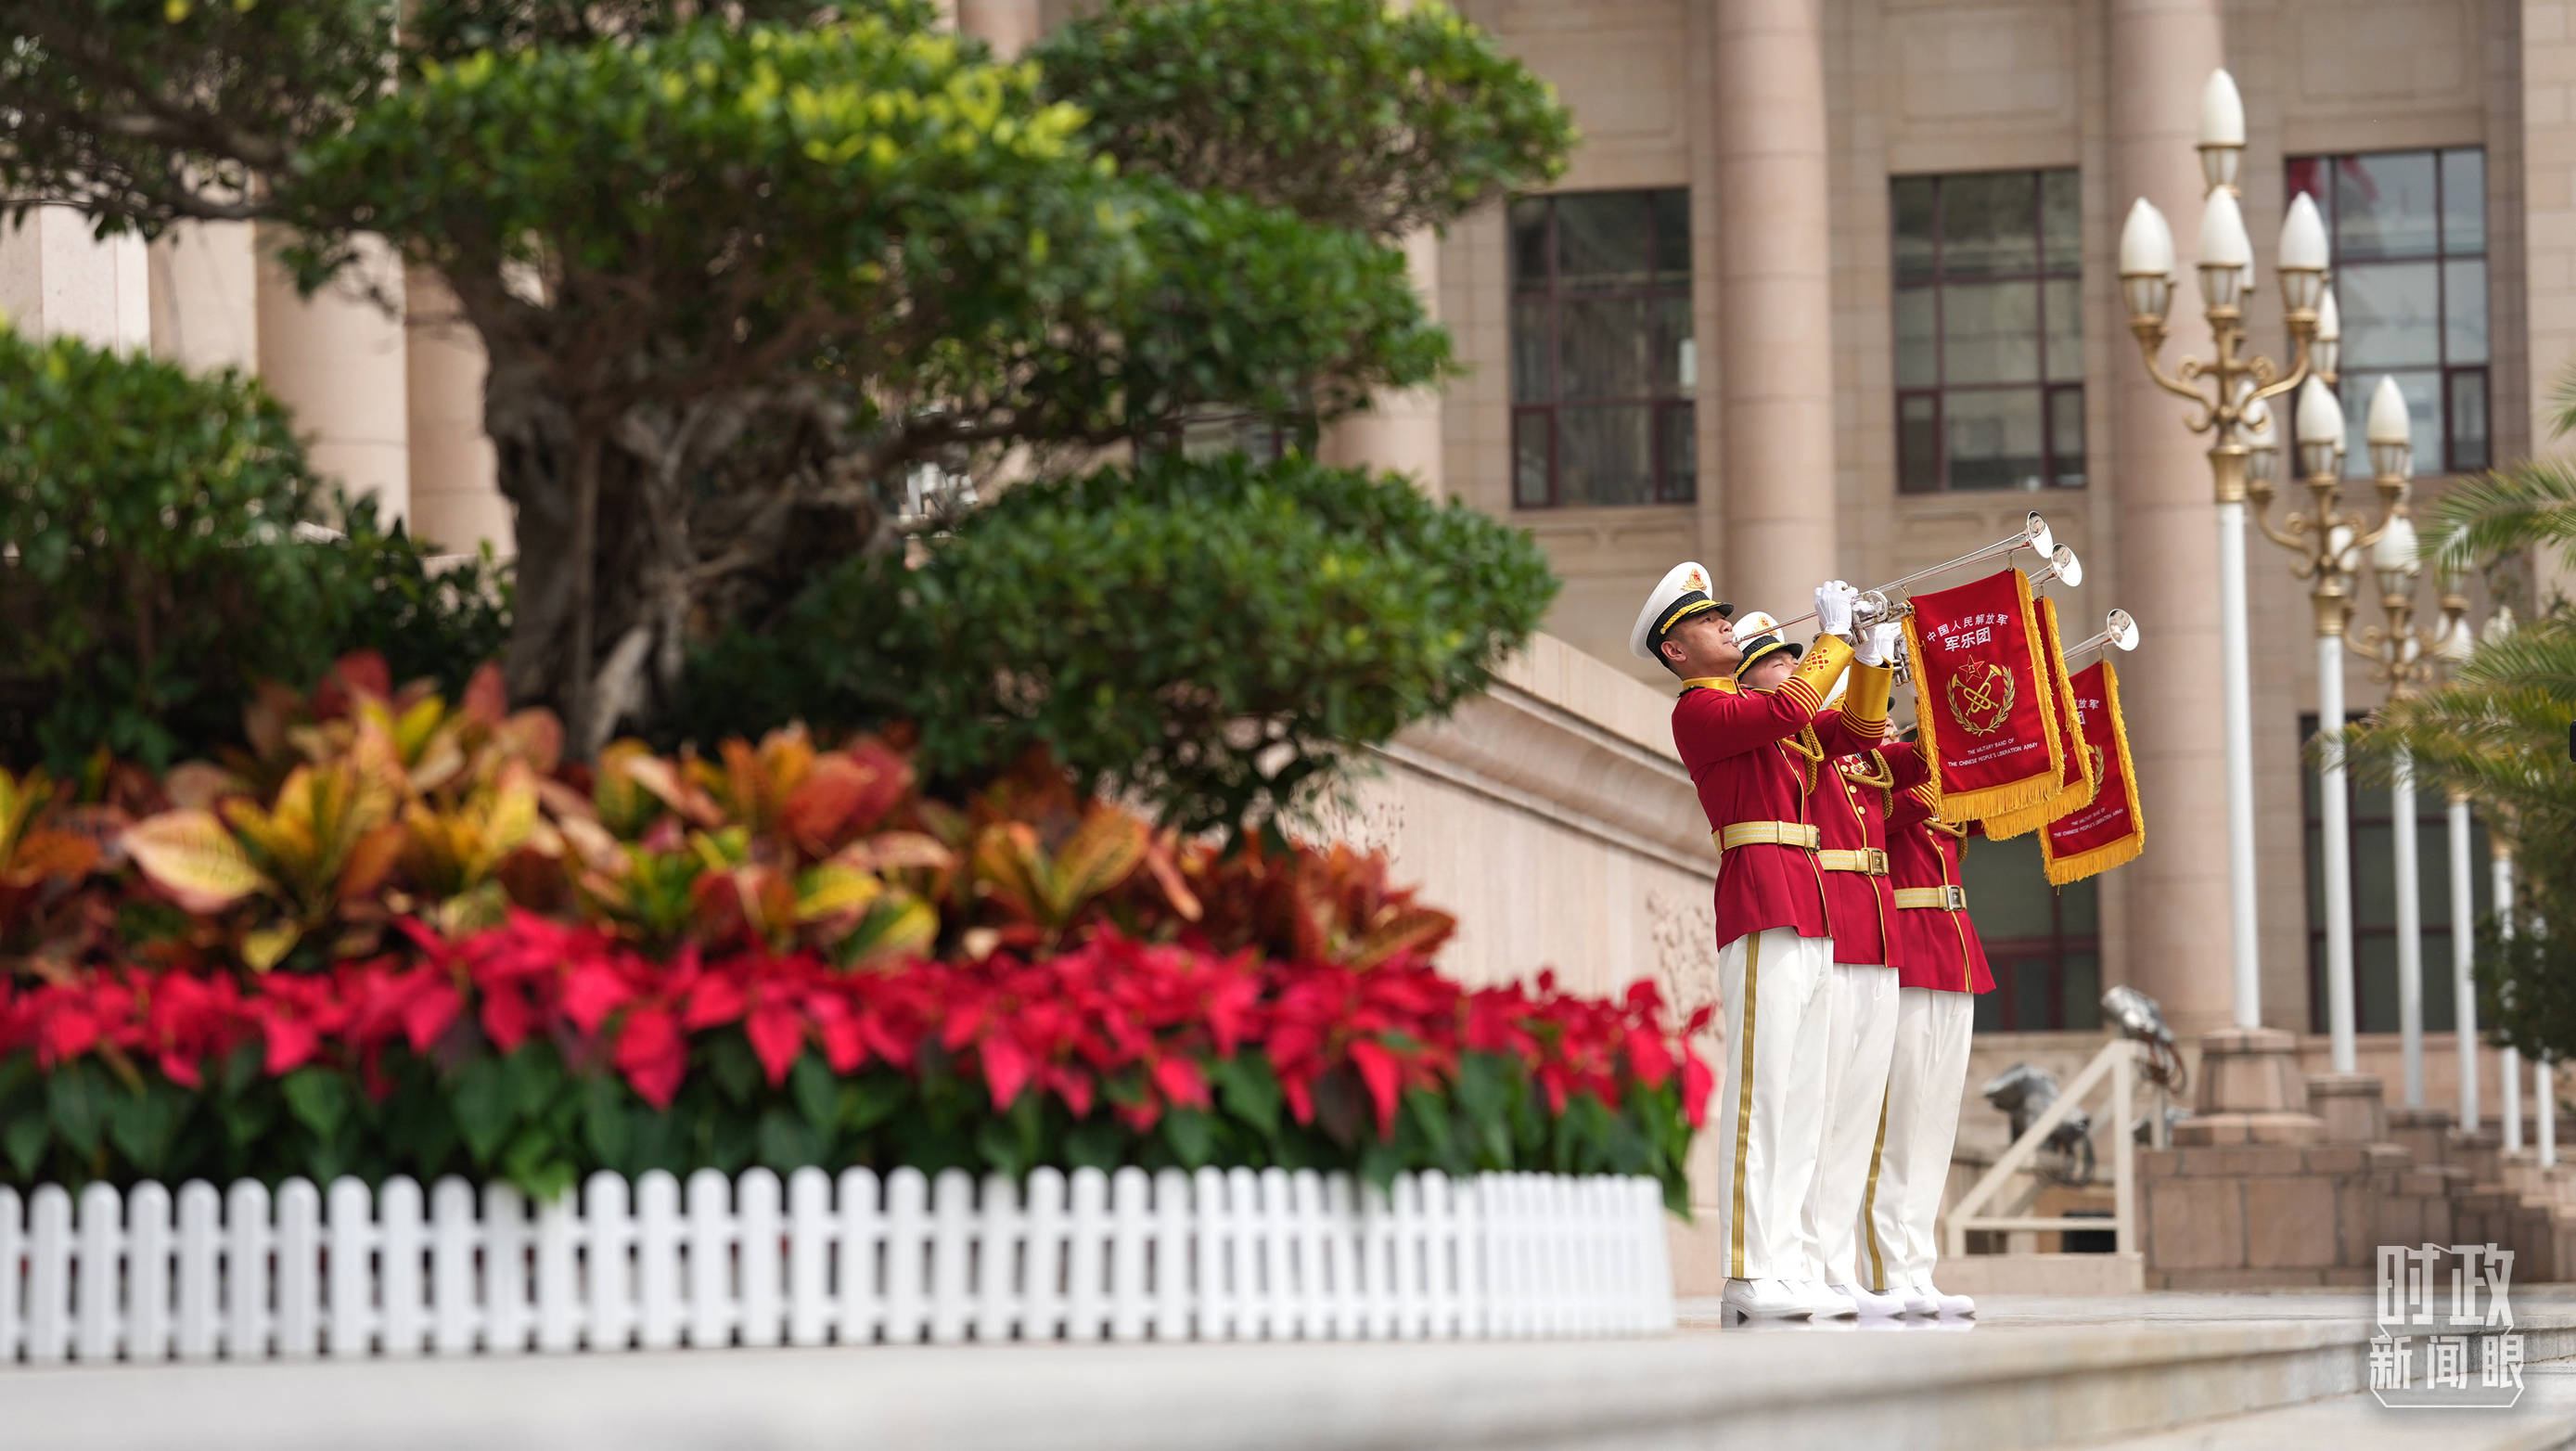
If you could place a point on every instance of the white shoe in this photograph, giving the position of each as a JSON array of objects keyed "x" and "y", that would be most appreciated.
[
  {"x": 1961, "y": 1306},
  {"x": 1831, "y": 1302},
  {"x": 1765, "y": 1300},
  {"x": 1873, "y": 1302},
  {"x": 1919, "y": 1301}
]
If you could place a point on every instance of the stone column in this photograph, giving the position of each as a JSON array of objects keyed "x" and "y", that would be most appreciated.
[
  {"x": 1008, "y": 26},
  {"x": 455, "y": 498},
  {"x": 2161, "y": 54},
  {"x": 1775, "y": 303},
  {"x": 2548, "y": 223},
  {"x": 1400, "y": 431},
  {"x": 56, "y": 278},
  {"x": 336, "y": 360},
  {"x": 205, "y": 296}
]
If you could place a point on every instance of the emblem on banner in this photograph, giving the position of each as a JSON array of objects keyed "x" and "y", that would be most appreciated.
[
  {"x": 2096, "y": 753},
  {"x": 1981, "y": 697}
]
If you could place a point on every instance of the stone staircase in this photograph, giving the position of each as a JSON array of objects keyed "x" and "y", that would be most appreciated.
[{"x": 2282, "y": 1181}]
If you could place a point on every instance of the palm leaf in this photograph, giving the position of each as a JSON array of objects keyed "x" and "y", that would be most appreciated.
[{"x": 2527, "y": 504}]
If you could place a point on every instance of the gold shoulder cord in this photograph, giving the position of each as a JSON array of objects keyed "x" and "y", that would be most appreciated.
[
  {"x": 1955, "y": 833},
  {"x": 1809, "y": 749},
  {"x": 1876, "y": 773}
]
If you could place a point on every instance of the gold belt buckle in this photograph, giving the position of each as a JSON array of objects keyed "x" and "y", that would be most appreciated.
[
  {"x": 1877, "y": 861},
  {"x": 1957, "y": 897}
]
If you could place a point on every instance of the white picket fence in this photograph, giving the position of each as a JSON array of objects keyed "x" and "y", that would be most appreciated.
[{"x": 1089, "y": 1256}]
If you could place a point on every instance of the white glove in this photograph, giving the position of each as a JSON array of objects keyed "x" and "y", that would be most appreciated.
[
  {"x": 1834, "y": 607},
  {"x": 1880, "y": 643}
]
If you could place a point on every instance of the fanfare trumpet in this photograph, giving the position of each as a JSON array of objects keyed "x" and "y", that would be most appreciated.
[
  {"x": 1874, "y": 605},
  {"x": 2118, "y": 629}
]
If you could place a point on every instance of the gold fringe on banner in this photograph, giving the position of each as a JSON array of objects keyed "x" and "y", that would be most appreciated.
[
  {"x": 2073, "y": 795},
  {"x": 1962, "y": 807},
  {"x": 2096, "y": 860}
]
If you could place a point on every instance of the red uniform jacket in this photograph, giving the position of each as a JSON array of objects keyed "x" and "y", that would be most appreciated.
[
  {"x": 1935, "y": 947},
  {"x": 1852, "y": 816},
  {"x": 1738, "y": 746}
]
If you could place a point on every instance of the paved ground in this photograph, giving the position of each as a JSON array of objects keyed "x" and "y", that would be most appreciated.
[
  {"x": 2543, "y": 1420},
  {"x": 2032, "y": 1372}
]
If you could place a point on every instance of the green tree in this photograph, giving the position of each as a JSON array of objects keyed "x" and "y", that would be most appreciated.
[
  {"x": 1230, "y": 632},
  {"x": 740, "y": 269},
  {"x": 157, "y": 558}
]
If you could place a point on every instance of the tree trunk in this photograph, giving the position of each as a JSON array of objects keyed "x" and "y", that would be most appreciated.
[{"x": 701, "y": 517}]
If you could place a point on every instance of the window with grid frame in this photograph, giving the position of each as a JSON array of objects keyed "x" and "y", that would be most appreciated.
[
  {"x": 1989, "y": 331},
  {"x": 2372, "y": 859},
  {"x": 1603, "y": 361},
  {"x": 2043, "y": 943},
  {"x": 2409, "y": 237}
]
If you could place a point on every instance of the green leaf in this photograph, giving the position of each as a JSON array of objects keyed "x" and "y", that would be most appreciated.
[
  {"x": 536, "y": 1078},
  {"x": 999, "y": 1147},
  {"x": 243, "y": 1067},
  {"x": 735, "y": 1068},
  {"x": 1095, "y": 1144},
  {"x": 536, "y": 1163},
  {"x": 1380, "y": 1163},
  {"x": 1484, "y": 1097},
  {"x": 486, "y": 1107},
  {"x": 787, "y": 1141},
  {"x": 604, "y": 1120},
  {"x": 1423, "y": 1115},
  {"x": 319, "y": 1099},
  {"x": 143, "y": 1122},
  {"x": 867, "y": 1102},
  {"x": 817, "y": 1091},
  {"x": 16, "y": 1072},
  {"x": 1191, "y": 1136},
  {"x": 75, "y": 1093},
  {"x": 24, "y": 1138},
  {"x": 1248, "y": 1089}
]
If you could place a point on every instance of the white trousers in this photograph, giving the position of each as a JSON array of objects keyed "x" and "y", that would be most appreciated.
[
  {"x": 1770, "y": 1119},
  {"x": 1926, "y": 1074},
  {"x": 1852, "y": 1082}
]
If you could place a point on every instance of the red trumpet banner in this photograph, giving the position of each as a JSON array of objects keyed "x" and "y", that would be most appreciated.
[
  {"x": 2113, "y": 829},
  {"x": 1983, "y": 705},
  {"x": 2075, "y": 791}
]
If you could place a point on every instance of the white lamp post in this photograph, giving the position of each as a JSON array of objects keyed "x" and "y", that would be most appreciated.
[
  {"x": 2228, "y": 406},
  {"x": 2320, "y": 424},
  {"x": 2393, "y": 560},
  {"x": 2508, "y": 1060},
  {"x": 2455, "y": 646}
]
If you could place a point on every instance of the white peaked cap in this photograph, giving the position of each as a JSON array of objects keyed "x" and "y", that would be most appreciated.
[{"x": 1679, "y": 584}]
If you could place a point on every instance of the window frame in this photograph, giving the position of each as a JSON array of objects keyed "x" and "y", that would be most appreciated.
[
  {"x": 1938, "y": 391},
  {"x": 2357, "y": 462},
  {"x": 1660, "y": 408}
]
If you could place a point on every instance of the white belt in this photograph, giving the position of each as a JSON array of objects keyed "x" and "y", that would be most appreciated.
[{"x": 1950, "y": 899}]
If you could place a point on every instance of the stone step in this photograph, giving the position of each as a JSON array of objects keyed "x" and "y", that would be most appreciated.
[
  {"x": 2544, "y": 1419},
  {"x": 2035, "y": 1372}
]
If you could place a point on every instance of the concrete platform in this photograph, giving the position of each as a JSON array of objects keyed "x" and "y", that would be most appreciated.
[
  {"x": 2035, "y": 1372},
  {"x": 2543, "y": 1420}
]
